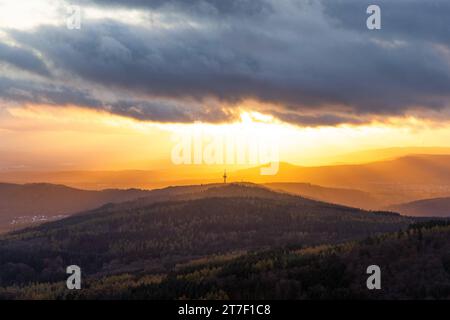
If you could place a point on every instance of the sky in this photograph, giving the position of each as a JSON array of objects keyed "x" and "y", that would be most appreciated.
[{"x": 306, "y": 77}]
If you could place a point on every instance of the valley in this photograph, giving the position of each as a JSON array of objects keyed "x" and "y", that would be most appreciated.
[{"x": 238, "y": 240}]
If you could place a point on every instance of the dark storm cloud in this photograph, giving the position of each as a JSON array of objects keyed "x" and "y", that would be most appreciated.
[
  {"x": 317, "y": 120},
  {"x": 170, "y": 111},
  {"x": 301, "y": 55},
  {"x": 170, "y": 64},
  {"x": 413, "y": 20},
  {"x": 28, "y": 92},
  {"x": 22, "y": 59}
]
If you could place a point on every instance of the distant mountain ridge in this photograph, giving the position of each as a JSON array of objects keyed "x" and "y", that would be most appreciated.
[
  {"x": 369, "y": 186},
  {"x": 403, "y": 179},
  {"x": 348, "y": 197},
  {"x": 413, "y": 169},
  {"x": 437, "y": 207},
  {"x": 49, "y": 200},
  {"x": 19, "y": 204}
]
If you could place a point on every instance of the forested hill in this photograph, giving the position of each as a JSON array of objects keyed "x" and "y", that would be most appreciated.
[
  {"x": 156, "y": 236},
  {"x": 192, "y": 192},
  {"x": 437, "y": 207},
  {"x": 414, "y": 264},
  {"x": 24, "y": 204}
]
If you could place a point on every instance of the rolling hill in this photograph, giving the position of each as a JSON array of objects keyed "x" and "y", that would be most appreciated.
[
  {"x": 348, "y": 197},
  {"x": 409, "y": 170},
  {"x": 395, "y": 181},
  {"x": 22, "y": 204},
  {"x": 151, "y": 235},
  {"x": 414, "y": 264},
  {"x": 437, "y": 207}
]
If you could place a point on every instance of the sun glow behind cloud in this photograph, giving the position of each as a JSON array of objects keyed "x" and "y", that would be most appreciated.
[
  {"x": 26, "y": 15},
  {"x": 30, "y": 14},
  {"x": 103, "y": 135},
  {"x": 89, "y": 139}
]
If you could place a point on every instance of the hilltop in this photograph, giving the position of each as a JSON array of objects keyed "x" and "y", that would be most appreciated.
[{"x": 155, "y": 233}]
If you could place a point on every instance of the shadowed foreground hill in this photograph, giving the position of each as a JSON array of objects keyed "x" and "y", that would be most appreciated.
[
  {"x": 154, "y": 237},
  {"x": 415, "y": 264}
]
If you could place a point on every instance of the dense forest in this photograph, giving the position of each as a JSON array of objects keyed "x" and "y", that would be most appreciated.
[
  {"x": 149, "y": 236},
  {"x": 415, "y": 264}
]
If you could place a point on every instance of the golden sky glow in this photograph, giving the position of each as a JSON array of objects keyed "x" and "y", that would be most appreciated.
[
  {"x": 75, "y": 138},
  {"x": 121, "y": 87}
]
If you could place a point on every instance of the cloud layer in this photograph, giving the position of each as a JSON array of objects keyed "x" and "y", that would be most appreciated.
[{"x": 307, "y": 62}]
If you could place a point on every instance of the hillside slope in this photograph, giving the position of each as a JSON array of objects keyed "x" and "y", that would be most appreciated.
[
  {"x": 438, "y": 207},
  {"x": 404, "y": 179},
  {"x": 153, "y": 237},
  {"x": 23, "y": 204},
  {"x": 414, "y": 264},
  {"x": 348, "y": 197}
]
